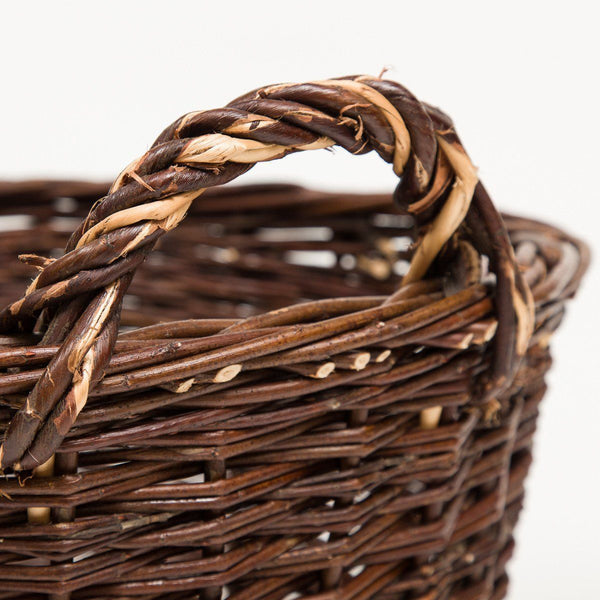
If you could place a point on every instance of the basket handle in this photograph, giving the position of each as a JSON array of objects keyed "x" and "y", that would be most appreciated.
[{"x": 80, "y": 294}]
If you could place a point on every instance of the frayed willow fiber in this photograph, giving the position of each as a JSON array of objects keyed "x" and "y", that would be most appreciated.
[{"x": 239, "y": 420}]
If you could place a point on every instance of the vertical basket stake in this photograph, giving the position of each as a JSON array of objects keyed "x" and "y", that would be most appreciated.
[
  {"x": 214, "y": 470},
  {"x": 40, "y": 515},
  {"x": 66, "y": 463},
  {"x": 430, "y": 417}
]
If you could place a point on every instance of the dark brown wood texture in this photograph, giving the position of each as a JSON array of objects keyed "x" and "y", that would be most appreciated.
[{"x": 254, "y": 421}]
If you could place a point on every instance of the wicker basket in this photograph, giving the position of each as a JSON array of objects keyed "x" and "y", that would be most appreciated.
[{"x": 300, "y": 394}]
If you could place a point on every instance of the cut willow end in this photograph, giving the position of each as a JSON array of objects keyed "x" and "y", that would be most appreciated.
[
  {"x": 178, "y": 387},
  {"x": 222, "y": 375},
  {"x": 383, "y": 356},
  {"x": 312, "y": 370},
  {"x": 226, "y": 373},
  {"x": 354, "y": 361}
]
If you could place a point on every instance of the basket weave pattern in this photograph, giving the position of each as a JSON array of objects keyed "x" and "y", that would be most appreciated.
[{"x": 239, "y": 420}]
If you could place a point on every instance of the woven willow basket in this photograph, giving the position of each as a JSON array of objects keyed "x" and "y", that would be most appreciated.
[{"x": 300, "y": 394}]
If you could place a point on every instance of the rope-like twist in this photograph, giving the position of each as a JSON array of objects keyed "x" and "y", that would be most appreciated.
[{"x": 76, "y": 299}]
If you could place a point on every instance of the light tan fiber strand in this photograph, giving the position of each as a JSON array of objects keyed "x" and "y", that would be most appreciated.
[
  {"x": 81, "y": 361},
  {"x": 148, "y": 229},
  {"x": 525, "y": 312},
  {"x": 179, "y": 211},
  {"x": 218, "y": 148},
  {"x": 450, "y": 216},
  {"x": 444, "y": 225},
  {"x": 351, "y": 122},
  {"x": 168, "y": 211},
  {"x": 86, "y": 341},
  {"x": 401, "y": 136},
  {"x": 82, "y": 379},
  {"x": 38, "y": 262},
  {"x": 31, "y": 287},
  {"x": 126, "y": 172},
  {"x": 40, "y": 515},
  {"x": 134, "y": 175}
]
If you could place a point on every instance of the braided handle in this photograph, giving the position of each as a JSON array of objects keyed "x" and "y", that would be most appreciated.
[{"x": 77, "y": 298}]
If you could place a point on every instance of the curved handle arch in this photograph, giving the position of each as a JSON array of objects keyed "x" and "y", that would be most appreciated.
[{"x": 82, "y": 291}]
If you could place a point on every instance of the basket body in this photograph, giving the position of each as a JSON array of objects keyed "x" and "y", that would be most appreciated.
[{"x": 287, "y": 479}]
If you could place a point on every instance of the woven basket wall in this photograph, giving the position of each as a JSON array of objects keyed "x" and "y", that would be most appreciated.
[{"x": 324, "y": 396}]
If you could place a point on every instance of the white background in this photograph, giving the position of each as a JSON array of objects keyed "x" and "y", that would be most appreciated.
[{"x": 86, "y": 87}]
